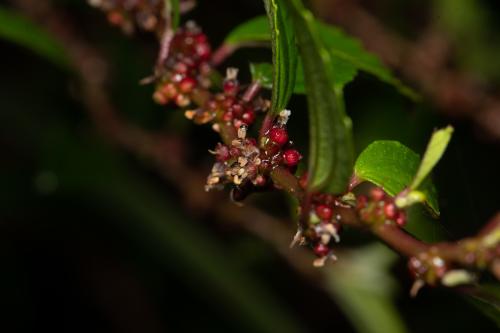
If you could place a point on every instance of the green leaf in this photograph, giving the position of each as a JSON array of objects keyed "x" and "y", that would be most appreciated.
[
  {"x": 486, "y": 298},
  {"x": 435, "y": 149},
  {"x": 347, "y": 53},
  {"x": 263, "y": 73},
  {"x": 284, "y": 54},
  {"x": 17, "y": 29},
  {"x": 251, "y": 31},
  {"x": 369, "y": 306},
  {"x": 392, "y": 166},
  {"x": 350, "y": 50},
  {"x": 331, "y": 152}
]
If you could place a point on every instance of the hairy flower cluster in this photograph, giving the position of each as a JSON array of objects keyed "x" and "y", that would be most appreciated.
[
  {"x": 185, "y": 74},
  {"x": 324, "y": 227},
  {"x": 380, "y": 208},
  {"x": 129, "y": 14},
  {"x": 244, "y": 163},
  {"x": 231, "y": 107}
]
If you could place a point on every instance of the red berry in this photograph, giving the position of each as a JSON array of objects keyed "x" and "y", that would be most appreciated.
[
  {"x": 248, "y": 117},
  {"x": 324, "y": 212},
  {"x": 278, "y": 135},
  {"x": 200, "y": 38},
  {"x": 227, "y": 116},
  {"x": 187, "y": 84},
  {"x": 390, "y": 210},
  {"x": 291, "y": 157},
  {"x": 321, "y": 250},
  {"x": 231, "y": 87},
  {"x": 362, "y": 201},
  {"x": 237, "y": 109},
  {"x": 377, "y": 194},
  {"x": 203, "y": 51},
  {"x": 401, "y": 219},
  {"x": 182, "y": 100}
]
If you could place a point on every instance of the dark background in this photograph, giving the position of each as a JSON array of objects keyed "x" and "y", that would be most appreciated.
[{"x": 92, "y": 239}]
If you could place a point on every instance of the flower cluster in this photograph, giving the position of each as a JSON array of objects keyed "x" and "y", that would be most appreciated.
[
  {"x": 379, "y": 207},
  {"x": 246, "y": 163},
  {"x": 231, "y": 107},
  {"x": 129, "y": 14},
  {"x": 185, "y": 74}
]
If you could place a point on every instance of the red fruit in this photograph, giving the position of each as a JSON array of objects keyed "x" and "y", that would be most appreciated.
[
  {"x": 227, "y": 116},
  {"x": 181, "y": 68},
  {"x": 237, "y": 109},
  {"x": 377, "y": 194},
  {"x": 291, "y": 157},
  {"x": 278, "y": 135},
  {"x": 231, "y": 87},
  {"x": 200, "y": 38},
  {"x": 390, "y": 210},
  {"x": 324, "y": 212},
  {"x": 203, "y": 51},
  {"x": 187, "y": 84},
  {"x": 321, "y": 250},
  {"x": 362, "y": 201},
  {"x": 248, "y": 117},
  {"x": 401, "y": 219}
]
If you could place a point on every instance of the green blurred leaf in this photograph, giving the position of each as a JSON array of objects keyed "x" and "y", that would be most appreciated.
[
  {"x": 263, "y": 73},
  {"x": 331, "y": 148},
  {"x": 284, "y": 54},
  {"x": 347, "y": 54},
  {"x": 251, "y": 31},
  {"x": 363, "y": 288},
  {"x": 17, "y": 29},
  {"x": 392, "y": 166},
  {"x": 486, "y": 298},
  {"x": 350, "y": 50},
  {"x": 435, "y": 149}
]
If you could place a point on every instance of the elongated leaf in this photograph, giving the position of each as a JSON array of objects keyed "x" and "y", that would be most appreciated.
[
  {"x": 284, "y": 54},
  {"x": 251, "y": 31},
  {"x": 370, "y": 306},
  {"x": 347, "y": 53},
  {"x": 17, "y": 29},
  {"x": 331, "y": 152},
  {"x": 392, "y": 166},
  {"x": 435, "y": 149}
]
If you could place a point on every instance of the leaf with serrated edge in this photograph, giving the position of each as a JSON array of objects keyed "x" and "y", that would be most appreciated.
[{"x": 391, "y": 165}]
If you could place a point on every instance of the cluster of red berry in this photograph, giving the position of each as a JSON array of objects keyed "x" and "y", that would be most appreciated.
[
  {"x": 245, "y": 163},
  {"x": 230, "y": 107},
  {"x": 127, "y": 14},
  {"x": 184, "y": 77},
  {"x": 379, "y": 207}
]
